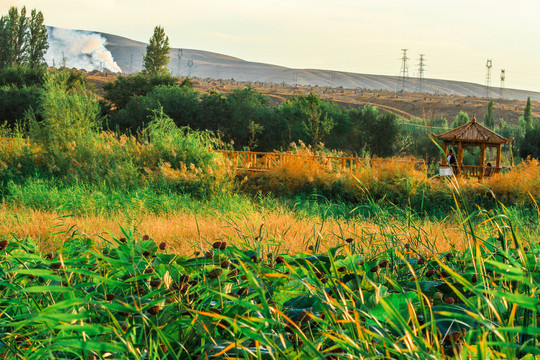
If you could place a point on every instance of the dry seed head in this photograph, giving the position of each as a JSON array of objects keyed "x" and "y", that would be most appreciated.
[
  {"x": 162, "y": 246},
  {"x": 349, "y": 240},
  {"x": 146, "y": 237},
  {"x": 3, "y": 244},
  {"x": 223, "y": 245},
  {"x": 216, "y": 245},
  {"x": 449, "y": 300}
]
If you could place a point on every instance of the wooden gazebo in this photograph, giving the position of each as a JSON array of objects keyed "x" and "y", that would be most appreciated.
[{"x": 473, "y": 134}]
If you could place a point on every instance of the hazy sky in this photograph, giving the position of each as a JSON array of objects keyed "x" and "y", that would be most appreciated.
[{"x": 457, "y": 37}]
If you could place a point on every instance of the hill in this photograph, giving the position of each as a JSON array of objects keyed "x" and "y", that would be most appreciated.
[{"x": 197, "y": 63}]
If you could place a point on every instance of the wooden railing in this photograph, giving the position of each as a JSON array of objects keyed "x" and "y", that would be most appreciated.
[
  {"x": 263, "y": 161},
  {"x": 475, "y": 170}
]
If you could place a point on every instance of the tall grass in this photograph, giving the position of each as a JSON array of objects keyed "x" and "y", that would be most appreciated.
[{"x": 364, "y": 298}]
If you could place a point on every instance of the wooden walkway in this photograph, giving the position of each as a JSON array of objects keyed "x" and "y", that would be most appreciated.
[{"x": 264, "y": 161}]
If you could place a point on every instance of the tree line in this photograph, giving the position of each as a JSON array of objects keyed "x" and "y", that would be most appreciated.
[{"x": 243, "y": 117}]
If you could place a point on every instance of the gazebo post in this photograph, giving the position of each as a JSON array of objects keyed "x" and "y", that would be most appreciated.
[
  {"x": 482, "y": 159},
  {"x": 498, "y": 161},
  {"x": 445, "y": 155},
  {"x": 459, "y": 157}
]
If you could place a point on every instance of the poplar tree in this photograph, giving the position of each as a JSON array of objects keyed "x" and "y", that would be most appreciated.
[
  {"x": 156, "y": 59},
  {"x": 37, "y": 39},
  {"x": 527, "y": 112},
  {"x": 489, "y": 120},
  {"x": 23, "y": 40}
]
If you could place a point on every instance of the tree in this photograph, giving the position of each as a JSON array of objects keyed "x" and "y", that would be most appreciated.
[
  {"x": 527, "y": 113},
  {"x": 156, "y": 59},
  {"x": 489, "y": 120},
  {"x": 37, "y": 40},
  {"x": 461, "y": 119},
  {"x": 23, "y": 40}
]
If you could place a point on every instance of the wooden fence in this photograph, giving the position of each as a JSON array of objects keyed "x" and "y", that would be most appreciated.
[{"x": 264, "y": 161}]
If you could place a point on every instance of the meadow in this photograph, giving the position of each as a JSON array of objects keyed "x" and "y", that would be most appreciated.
[{"x": 150, "y": 246}]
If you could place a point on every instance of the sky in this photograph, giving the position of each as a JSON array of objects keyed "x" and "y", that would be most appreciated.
[{"x": 363, "y": 36}]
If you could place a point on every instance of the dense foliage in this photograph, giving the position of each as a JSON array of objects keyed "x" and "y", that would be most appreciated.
[{"x": 129, "y": 299}]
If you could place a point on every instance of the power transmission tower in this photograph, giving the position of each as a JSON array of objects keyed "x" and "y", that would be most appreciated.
[
  {"x": 180, "y": 53},
  {"x": 404, "y": 73},
  {"x": 488, "y": 76},
  {"x": 190, "y": 66},
  {"x": 503, "y": 77},
  {"x": 420, "y": 83}
]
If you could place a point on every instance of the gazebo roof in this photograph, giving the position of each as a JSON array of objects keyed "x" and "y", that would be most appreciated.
[{"x": 472, "y": 132}]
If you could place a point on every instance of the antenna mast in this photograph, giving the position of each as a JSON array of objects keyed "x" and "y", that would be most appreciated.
[
  {"x": 404, "y": 73},
  {"x": 488, "y": 76}
]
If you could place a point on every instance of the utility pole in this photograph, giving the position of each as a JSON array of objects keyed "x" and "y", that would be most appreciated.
[
  {"x": 404, "y": 73},
  {"x": 503, "y": 77},
  {"x": 488, "y": 76},
  {"x": 420, "y": 83}
]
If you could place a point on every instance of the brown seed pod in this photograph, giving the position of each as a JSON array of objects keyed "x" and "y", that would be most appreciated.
[
  {"x": 209, "y": 254},
  {"x": 304, "y": 316},
  {"x": 223, "y": 245},
  {"x": 449, "y": 300},
  {"x": 383, "y": 264},
  {"x": 146, "y": 237},
  {"x": 215, "y": 273},
  {"x": 448, "y": 256},
  {"x": 310, "y": 247},
  {"x": 154, "y": 310},
  {"x": 254, "y": 259},
  {"x": 444, "y": 274},
  {"x": 233, "y": 273},
  {"x": 225, "y": 264},
  {"x": 430, "y": 273},
  {"x": 149, "y": 270},
  {"x": 3, "y": 244},
  {"x": 280, "y": 260},
  {"x": 110, "y": 297},
  {"x": 216, "y": 245},
  {"x": 55, "y": 266},
  {"x": 474, "y": 278},
  {"x": 342, "y": 269},
  {"x": 421, "y": 261},
  {"x": 243, "y": 291},
  {"x": 155, "y": 283},
  {"x": 162, "y": 246},
  {"x": 407, "y": 246},
  {"x": 349, "y": 240},
  {"x": 146, "y": 253},
  {"x": 374, "y": 269},
  {"x": 123, "y": 240},
  {"x": 125, "y": 326},
  {"x": 233, "y": 295}
]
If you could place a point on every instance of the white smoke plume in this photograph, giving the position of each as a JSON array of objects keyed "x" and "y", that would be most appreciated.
[{"x": 79, "y": 49}]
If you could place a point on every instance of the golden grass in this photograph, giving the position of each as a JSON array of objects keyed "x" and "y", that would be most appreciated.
[{"x": 276, "y": 231}]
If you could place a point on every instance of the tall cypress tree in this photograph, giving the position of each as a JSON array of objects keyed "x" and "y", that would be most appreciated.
[
  {"x": 527, "y": 113},
  {"x": 489, "y": 120},
  {"x": 156, "y": 59}
]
